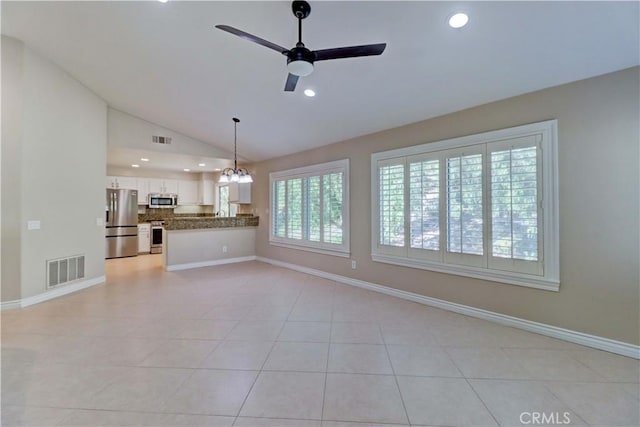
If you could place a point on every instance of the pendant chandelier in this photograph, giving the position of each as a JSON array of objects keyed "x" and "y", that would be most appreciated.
[{"x": 240, "y": 175}]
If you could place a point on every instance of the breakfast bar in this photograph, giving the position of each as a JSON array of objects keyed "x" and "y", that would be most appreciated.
[{"x": 192, "y": 242}]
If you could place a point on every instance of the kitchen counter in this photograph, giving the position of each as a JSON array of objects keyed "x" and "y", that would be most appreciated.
[{"x": 205, "y": 222}]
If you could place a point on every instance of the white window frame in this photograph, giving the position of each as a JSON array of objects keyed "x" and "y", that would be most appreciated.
[
  {"x": 549, "y": 236},
  {"x": 338, "y": 166}
]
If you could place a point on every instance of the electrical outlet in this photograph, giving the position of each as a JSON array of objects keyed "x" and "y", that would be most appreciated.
[
  {"x": 224, "y": 249},
  {"x": 33, "y": 224},
  {"x": 353, "y": 264},
  {"x": 99, "y": 222}
]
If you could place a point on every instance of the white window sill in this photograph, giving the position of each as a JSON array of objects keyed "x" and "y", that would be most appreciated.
[
  {"x": 511, "y": 278},
  {"x": 333, "y": 252}
]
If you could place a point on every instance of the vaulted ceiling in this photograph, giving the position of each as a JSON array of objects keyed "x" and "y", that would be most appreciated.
[{"x": 166, "y": 63}]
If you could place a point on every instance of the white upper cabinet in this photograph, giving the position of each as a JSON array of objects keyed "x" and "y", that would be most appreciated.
[
  {"x": 188, "y": 193},
  {"x": 125, "y": 182},
  {"x": 143, "y": 191},
  {"x": 159, "y": 185},
  {"x": 239, "y": 193},
  {"x": 207, "y": 192}
]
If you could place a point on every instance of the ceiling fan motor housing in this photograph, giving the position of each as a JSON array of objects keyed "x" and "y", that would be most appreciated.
[{"x": 300, "y": 61}]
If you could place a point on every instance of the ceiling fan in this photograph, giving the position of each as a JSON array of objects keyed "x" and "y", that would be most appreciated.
[{"x": 300, "y": 59}]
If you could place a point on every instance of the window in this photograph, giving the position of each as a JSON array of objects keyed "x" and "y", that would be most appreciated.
[
  {"x": 310, "y": 209},
  {"x": 482, "y": 206},
  {"x": 224, "y": 207}
]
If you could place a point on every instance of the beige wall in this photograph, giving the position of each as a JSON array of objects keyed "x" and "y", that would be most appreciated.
[
  {"x": 58, "y": 171},
  {"x": 205, "y": 245},
  {"x": 598, "y": 133}
]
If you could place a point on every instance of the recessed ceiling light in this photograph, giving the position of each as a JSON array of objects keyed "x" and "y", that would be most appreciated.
[
  {"x": 144, "y": 159},
  {"x": 135, "y": 166},
  {"x": 309, "y": 92},
  {"x": 202, "y": 165},
  {"x": 186, "y": 170},
  {"x": 163, "y": 1},
  {"x": 458, "y": 20}
]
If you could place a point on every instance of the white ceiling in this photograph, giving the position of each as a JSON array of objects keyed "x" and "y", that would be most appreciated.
[{"x": 167, "y": 63}]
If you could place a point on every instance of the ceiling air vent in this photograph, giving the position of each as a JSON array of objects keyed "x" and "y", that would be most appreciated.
[
  {"x": 161, "y": 139},
  {"x": 64, "y": 270}
]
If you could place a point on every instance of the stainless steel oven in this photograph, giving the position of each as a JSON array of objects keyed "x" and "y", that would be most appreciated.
[{"x": 156, "y": 236}]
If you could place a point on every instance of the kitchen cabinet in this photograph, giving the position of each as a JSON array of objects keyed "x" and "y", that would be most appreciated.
[
  {"x": 239, "y": 193},
  {"x": 207, "y": 192},
  {"x": 159, "y": 185},
  {"x": 188, "y": 193},
  {"x": 144, "y": 238},
  {"x": 124, "y": 182},
  {"x": 143, "y": 191}
]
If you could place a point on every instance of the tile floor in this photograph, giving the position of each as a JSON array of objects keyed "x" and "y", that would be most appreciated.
[{"x": 256, "y": 345}]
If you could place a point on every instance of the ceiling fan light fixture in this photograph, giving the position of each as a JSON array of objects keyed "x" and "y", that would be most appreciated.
[{"x": 300, "y": 68}]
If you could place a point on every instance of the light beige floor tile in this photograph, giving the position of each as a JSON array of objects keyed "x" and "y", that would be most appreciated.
[
  {"x": 356, "y": 333},
  {"x": 298, "y": 356},
  {"x": 140, "y": 389},
  {"x": 359, "y": 359},
  {"x": 269, "y": 312},
  {"x": 421, "y": 361},
  {"x": 311, "y": 312},
  {"x": 55, "y": 385},
  {"x": 256, "y": 330},
  {"x": 486, "y": 363},
  {"x": 348, "y": 424},
  {"x": 159, "y": 328},
  {"x": 227, "y": 312},
  {"x": 306, "y": 332},
  {"x": 443, "y": 401},
  {"x": 349, "y": 313},
  {"x": 363, "y": 398},
  {"x": 406, "y": 334},
  {"x": 512, "y": 403},
  {"x": 119, "y": 351},
  {"x": 286, "y": 395},
  {"x": 187, "y": 420},
  {"x": 555, "y": 365},
  {"x": 180, "y": 354},
  {"x": 632, "y": 388},
  {"x": 85, "y": 417},
  {"x": 212, "y": 392},
  {"x": 274, "y": 422},
  {"x": 239, "y": 355},
  {"x": 599, "y": 404},
  {"x": 611, "y": 366},
  {"x": 29, "y": 416},
  {"x": 207, "y": 329}
]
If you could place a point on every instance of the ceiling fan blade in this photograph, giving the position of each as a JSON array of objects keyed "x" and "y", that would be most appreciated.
[
  {"x": 350, "y": 51},
  {"x": 290, "y": 85},
  {"x": 253, "y": 38}
]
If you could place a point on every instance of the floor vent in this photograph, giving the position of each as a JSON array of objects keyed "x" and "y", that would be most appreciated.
[
  {"x": 161, "y": 139},
  {"x": 64, "y": 270}
]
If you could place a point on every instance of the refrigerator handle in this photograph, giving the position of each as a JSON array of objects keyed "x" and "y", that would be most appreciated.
[{"x": 115, "y": 202}]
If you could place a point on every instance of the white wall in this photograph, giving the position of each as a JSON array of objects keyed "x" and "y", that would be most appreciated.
[
  {"x": 128, "y": 131},
  {"x": 206, "y": 245},
  {"x": 59, "y": 169}
]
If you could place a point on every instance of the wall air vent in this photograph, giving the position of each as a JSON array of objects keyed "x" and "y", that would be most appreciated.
[
  {"x": 161, "y": 139},
  {"x": 64, "y": 270}
]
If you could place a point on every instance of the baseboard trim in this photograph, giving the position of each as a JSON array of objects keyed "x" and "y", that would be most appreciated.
[
  {"x": 613, "y": 346},
  {"x": 52, "y": 293},
  {"x": 177, "y": 267}
]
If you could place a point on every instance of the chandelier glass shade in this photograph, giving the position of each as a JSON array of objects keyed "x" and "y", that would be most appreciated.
[{"x": 235, "y": 174}]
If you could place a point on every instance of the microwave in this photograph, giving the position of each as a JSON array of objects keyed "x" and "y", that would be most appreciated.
[{"x": 162, "y": 200}]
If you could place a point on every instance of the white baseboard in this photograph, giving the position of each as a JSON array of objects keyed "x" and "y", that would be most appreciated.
[
  {"x": 613, "y": 346},
  {"x": 52, "y": 293},
  {"x": 177, "y": 267}
]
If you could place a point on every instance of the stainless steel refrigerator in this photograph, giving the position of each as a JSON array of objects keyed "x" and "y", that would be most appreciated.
[{"x": 121, "y": 223}]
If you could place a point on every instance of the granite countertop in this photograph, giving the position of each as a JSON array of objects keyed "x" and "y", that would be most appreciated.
[{"x": 204, "y": 222}]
